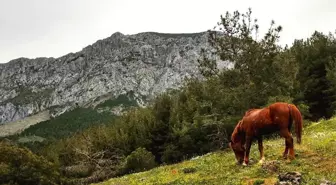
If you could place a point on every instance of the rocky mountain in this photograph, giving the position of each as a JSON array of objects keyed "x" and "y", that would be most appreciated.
[{"x": 144, "y": 64}]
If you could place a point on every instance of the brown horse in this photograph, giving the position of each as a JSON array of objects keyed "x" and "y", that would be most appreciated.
[{"x": 257, "y": 122}]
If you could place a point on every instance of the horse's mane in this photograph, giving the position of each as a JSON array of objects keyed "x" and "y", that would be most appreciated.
[
  {"x": 248, "y": 112},
  {"x": 237, "y": 131}
]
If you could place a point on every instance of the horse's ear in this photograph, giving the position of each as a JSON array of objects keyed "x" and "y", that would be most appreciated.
[
  {"x": 239, "y": 124},
  {"x": 238, "y": 127}
]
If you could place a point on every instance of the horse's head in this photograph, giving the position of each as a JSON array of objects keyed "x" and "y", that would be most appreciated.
[
  {"x": 237, "y": 143},
  {"x": 239, "y": 151}
]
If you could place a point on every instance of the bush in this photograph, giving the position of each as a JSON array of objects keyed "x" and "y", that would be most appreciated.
[
  {"x": 21, "y": 166},
  {"x": 139, "y": 160},
  {"x": 171, "y": 154},
  {"x": 304, "y": 109}
]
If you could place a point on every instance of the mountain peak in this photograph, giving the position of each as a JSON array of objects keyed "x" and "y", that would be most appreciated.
[{"x": 117, "y": 34}]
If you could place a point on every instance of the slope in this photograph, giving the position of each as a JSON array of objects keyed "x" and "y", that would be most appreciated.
[{"x": 315, "y": 160}]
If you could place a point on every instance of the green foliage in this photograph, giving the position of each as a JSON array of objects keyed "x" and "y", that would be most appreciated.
[
  {"x": 262, "y": 70},
  {"x": 170, "y": 128},
  {"x": 39, "y": 136},
  {"x": 304, "y": 109},
  {"x": 139, "y": 160},
  {"x": 21, "y": 166},
  {"x": 331, "y": 78},
  {"x": 68, "y": 123},
  {"x": 273, "y": 99},
  {"x": 123, "y": 99},
  {"x": 71, "y": 122},
  {"x": 317, "y": 58},
  {"x": 259, "y": 182}
]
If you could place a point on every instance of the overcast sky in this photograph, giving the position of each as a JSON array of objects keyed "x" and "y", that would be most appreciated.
[{"x": 52, "y": 28}]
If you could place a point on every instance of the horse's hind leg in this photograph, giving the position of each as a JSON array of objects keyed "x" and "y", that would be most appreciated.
[
  {"x": 291, "y": 147},
  {"x": 289, "y": 144}
]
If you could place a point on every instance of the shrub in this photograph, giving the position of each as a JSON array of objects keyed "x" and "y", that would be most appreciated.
[
  {"x": 139, "y": 160},
  {"x": 21, "y": 166}
]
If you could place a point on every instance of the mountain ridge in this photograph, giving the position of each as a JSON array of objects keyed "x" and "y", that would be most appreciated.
[
  {"x": 146, "y": 63},
  {"x": 115, "y": 33}
]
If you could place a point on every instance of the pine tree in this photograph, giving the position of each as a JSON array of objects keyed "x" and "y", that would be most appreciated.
[{"x": 316, "y": 57}]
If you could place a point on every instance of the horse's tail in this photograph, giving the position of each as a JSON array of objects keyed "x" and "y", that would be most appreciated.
[{"x": 296, "y": 115}]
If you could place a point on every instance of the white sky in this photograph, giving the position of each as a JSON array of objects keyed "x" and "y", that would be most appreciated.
[{"x": 52, "y": 28}]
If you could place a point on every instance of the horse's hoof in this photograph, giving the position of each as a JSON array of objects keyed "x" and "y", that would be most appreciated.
[
  {"x": 261, "y": 161},
  {"x": 244, "y": 164}
]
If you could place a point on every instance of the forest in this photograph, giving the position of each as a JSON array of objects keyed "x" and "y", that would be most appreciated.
[{"x": 193, "y": 120}]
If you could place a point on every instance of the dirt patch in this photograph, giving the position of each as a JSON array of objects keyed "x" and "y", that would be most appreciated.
[
  {"x": 271, "y": 166},
  {"x": 318, "y": 161},
  {"x": 326, "y": 165}
]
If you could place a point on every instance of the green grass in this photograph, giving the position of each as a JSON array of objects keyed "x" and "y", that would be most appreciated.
[{"x": 316, "y": 160}]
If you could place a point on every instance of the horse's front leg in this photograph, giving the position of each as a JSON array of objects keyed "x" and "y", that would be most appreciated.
[
  {"x": 261, "y": 150},
  {"x": 247, "y": 151}
]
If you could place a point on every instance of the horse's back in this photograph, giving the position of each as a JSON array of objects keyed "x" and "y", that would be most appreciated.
[
  {"x": 279, "y": 106},
  {"x": 252, "y": 112},
  {"x": 265, "y": 120},
  {"x": 273, "y": 111},
  {"x": 256, "y": 119},
  {"x": 279, "y": 110}
]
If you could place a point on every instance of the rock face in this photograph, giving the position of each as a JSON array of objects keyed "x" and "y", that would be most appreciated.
[
  {"x": 290, "y": 178},
  {"x": 20, "y": 125},
  {"x": 144, "y": 63}
]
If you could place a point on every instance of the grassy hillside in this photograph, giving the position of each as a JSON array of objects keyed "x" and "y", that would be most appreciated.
[
  {"x": 315, "y": 161},
  {"x": 37, "y": 135},
  {"x": 68, "y": 123},
  {"x": 77, "y": 119}
]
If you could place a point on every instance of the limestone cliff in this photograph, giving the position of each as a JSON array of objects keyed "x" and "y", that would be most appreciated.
[{"x": 144, "y": 63}]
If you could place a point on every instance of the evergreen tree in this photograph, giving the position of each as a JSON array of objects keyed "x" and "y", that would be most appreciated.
[
  {"x": 317, "y": 57},
  {"x": 263, "y": 72}
]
